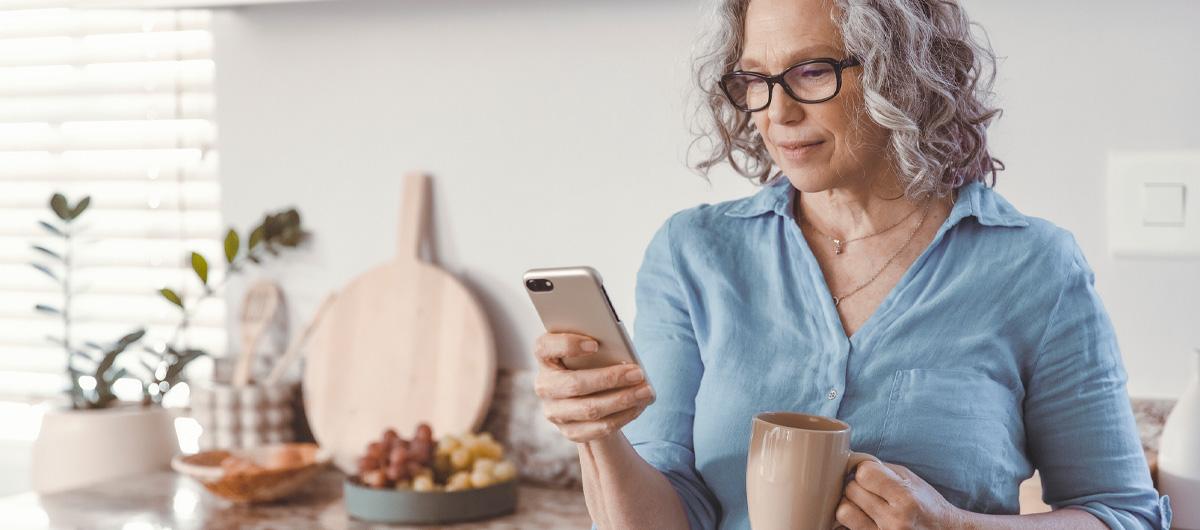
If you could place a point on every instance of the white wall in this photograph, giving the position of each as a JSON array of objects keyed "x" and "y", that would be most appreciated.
[
  {"x": 325, "y": 105},
  {"x": 1080, "y": 78}
]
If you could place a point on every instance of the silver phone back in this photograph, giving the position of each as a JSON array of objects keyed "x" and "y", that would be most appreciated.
[{"x": 578, "y": 303}]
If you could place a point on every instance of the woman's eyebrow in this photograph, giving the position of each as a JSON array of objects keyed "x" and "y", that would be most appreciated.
[{"x": 808, "y": 52}]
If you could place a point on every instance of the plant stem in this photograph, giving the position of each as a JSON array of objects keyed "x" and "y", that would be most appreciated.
[
  {"x": 76, "y": 390},
  {"x": 66, "y": 284},
  {"x": 189, "y": 309}
]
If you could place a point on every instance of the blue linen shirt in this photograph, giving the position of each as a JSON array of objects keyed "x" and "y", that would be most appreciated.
[{"x": 993, "y": 356}]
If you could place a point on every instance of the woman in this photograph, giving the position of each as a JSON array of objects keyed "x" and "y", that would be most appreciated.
[{"x": 874, "y": 278}]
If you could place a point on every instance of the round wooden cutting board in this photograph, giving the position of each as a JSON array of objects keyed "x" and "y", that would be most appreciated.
[{"x": 403, "y": 343}]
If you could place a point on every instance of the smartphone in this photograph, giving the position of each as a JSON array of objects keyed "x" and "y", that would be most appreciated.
[{"x": 573, "y": 300}]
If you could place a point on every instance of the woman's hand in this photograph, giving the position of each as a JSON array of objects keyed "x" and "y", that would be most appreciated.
[
  {"x": 587, "y": 404},
  {"x": 890, "y": 497}
]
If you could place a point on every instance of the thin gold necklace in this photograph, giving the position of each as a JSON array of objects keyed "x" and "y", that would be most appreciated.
[
  {"x": 837, "y": 243},
  {"x": 838, "y": 299}
]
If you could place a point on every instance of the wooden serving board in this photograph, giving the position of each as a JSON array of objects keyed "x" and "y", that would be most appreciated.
[{"x": 403, "y": 343}]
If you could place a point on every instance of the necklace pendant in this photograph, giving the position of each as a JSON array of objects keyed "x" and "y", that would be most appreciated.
[
  {"x": 836, "y": 301},
  {"x": 837, "y": 246}
]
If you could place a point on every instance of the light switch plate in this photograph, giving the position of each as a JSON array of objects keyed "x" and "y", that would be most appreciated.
[
  {"x": 1163, "y": 204},
  {"x": 1153, "y": 209}
]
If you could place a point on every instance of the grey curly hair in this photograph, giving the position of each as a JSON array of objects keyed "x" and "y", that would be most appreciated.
[{"x": 925, "y": 78}]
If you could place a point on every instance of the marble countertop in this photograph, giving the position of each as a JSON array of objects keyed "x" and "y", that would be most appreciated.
[{"x": 169, "y": 500}]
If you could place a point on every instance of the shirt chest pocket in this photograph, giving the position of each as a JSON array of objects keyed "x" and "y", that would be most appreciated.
[{"x": 959, "y": 430}]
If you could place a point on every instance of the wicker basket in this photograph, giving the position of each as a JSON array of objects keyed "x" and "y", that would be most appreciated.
[{"x": 263, "y": 484}]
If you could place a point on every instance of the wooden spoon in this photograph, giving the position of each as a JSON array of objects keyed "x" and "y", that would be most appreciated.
[
  {"x": 258, "y": 310},
  {"x": 297, "y": 345}
]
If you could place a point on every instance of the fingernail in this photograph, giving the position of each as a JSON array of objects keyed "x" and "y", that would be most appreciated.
[
  {"x": 634, "y": 375},
  {"x": 589, "y": 346},
  {"x": 644, "y": 393}
]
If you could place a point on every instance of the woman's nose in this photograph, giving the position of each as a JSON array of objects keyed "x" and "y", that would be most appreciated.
[{"x": 784, "y": 109}]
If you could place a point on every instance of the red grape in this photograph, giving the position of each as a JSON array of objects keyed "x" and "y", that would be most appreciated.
[
  {"x": 421, "y": 451},
  {"x": 424, "y": 432},
  {"x": 389, "y": 435},
  {"x": 397, "y": 472},
  {"x": 414, "y": 469},
  {"x": 399, "y": 454},
  {"x": 375, "y": 450},
  {"x": 367, "y": 463}
]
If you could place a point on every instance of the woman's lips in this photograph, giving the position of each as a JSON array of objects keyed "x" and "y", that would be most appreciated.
[{"x": 799, "y": 150}]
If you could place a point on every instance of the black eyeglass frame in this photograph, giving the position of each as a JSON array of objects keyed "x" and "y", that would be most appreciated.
[{"x": 772, "y": 80}]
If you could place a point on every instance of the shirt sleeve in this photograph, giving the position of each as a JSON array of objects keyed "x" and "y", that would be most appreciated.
[
  {"x": 665, "y": 342},
  {"x": 1079, "y": 421}
]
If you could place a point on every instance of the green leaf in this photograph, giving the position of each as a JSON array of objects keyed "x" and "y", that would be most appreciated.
[
  {"x": 48, "y": 309},
  {"x": 200, "y": 265},
  {"x": 176, "y": 368},
  {"x": 105, "y": 363},
  {"x": 171, "y": 296},
  {"x": 58, "y": 203},
  {"x": 232, "y": 244},
  {"x": 292, "y": 218},
  {"x": 256, "y": 236},
  {"x": 131, "y": 338},
  {"x": 52, "y": 229},
  {"x": 290, "y": 237},
  {"x": 47, "y": 252},
  {"x": 80, "y": 207},
  {"x": 110, "y": 356},
  {"x": 45, "y": 269}
]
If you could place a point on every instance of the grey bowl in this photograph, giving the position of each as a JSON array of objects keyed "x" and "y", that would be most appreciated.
[{"x": 428, "y": 507}]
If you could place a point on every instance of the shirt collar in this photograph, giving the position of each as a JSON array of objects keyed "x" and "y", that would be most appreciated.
[{"x": 974, "y": 199}]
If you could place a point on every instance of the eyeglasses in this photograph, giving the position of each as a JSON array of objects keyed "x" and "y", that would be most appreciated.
[{"x": 811, "y": 81}]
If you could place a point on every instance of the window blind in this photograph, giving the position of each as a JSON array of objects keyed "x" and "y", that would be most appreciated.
[{"x": 116, "y": 105}]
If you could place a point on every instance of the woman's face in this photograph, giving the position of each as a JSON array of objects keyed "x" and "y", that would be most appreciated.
[{"x": 844, "y": 147}]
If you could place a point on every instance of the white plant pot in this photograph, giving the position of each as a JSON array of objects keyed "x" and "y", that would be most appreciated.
[
  {"x": 77, "y": 448},
  {"x": 1179, "y": 456}
]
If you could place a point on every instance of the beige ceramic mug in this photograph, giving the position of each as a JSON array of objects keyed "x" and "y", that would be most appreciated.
[{"x": 796, "y": 470}]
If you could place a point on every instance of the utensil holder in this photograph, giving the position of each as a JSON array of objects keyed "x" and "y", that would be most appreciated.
[{"x": 244, "y": 417}]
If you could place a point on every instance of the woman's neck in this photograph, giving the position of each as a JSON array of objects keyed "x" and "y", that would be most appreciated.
[{"x": 850, "y": 212}]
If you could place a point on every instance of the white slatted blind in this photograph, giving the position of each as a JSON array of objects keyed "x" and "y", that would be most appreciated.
[{"x": 115, "y": 104}]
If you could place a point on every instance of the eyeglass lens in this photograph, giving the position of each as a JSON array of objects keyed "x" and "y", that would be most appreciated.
[{"x": 809, "y": 82}]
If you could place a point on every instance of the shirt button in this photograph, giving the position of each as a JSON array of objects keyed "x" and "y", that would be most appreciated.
[{"x": 832, "y": 394}]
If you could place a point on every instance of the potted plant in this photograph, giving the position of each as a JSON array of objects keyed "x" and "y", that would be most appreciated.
[{"x": 97, "y": 436}]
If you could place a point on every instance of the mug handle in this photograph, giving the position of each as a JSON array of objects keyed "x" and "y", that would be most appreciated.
[{"x": 858, "y": 458}]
